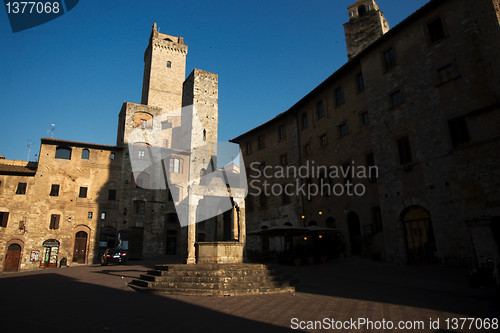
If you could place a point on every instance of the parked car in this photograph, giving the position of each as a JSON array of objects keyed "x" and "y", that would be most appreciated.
[{"x": 116, "y": 256}]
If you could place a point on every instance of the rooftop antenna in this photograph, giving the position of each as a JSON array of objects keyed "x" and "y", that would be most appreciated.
[
  {"x": 50, "y": 132},
  {"x": 29, "y": 149}
]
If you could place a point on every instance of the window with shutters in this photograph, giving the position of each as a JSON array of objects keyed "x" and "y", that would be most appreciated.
[
  {"x": 4, "y": 218},
  {"x": 54, "y": 221},
  {"x": 21, "y": 188},
  {"x": 175, "y": 165},
  {"x": 54, "y": 190}
]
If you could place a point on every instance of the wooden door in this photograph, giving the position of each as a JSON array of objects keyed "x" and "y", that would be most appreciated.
[
  {"x": 80, "y": 249},
  {"x": 12, "y": 258}
]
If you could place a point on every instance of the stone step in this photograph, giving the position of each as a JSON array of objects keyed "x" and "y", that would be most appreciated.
[
  {"x": 210, "y": 285},
  {"x": 228, "y": 273},
  {"x": 211, "y": 267},
  {"x": 216, "y": 285},
  {"x": 214, "y": 292},
  {"x": 214, "y": 279}
]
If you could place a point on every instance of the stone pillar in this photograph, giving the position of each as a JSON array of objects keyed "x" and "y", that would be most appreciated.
[
  {"x": 235, "y": 218},
  {"x": 191, "y": 232},
  {"x": 241, "y": 220}
]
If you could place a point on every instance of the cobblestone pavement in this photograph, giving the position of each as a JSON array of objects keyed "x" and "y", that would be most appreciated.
[{"x": 97, "y": 299}]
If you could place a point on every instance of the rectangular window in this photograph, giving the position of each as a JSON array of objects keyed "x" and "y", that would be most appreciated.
[
  {"x": 343, "y": 130},
  {"x": 175, "y": 165},
  {"x": 370, "y": 163},
  {"x": 165, "y": 143},
  {"x": 112, "y": 195},
  {"x": 320, "y": 112},
  {"x": 397, "y": 98},
  {"x": 364, "y": 118},
  {"x": 307, "y": 150},
  {"x": 141, "y": 154},
  {"x": 323, "y": 140},
  {"x": 281, "y": 133},
  {"x": 339, "y": 96},
  {"x": 261, "y": 142},
  {"x": 139, "y": 207},
  {"x": 404, "y": 150},
  {"x": 54, "y": 190},
  {"x": 447, "y": 73},
  {"x": 459, "y": 131},
  {"x": 21, "y": 188},
  {"x": 305, "y": 122},
  {"x": 249, "y": 148},
  {"x": 89, "y": 215},
  {"x": 4, "y": 218},
  {"x": 144, "y": 123},
  {"x": 360, "y": 82},
  {"x": 377, "y": 219},
  {"x": 436, "y": 30},
  {"x": 389, "y": 59},
  {"x": 284, "y": 159},
  {"x": 83, "y": 192},
  {"x": 54, "y": 221}
]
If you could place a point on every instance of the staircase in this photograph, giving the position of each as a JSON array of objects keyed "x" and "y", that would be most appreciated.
[{"x": 213, "y": 280}]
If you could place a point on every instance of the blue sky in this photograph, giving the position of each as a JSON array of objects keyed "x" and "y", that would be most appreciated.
[{"x": 77, "y": 70}]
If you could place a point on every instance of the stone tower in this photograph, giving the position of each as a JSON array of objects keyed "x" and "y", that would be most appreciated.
[
  {"x": 366, "y": 24},
  {"x": 164, "y": 71}
]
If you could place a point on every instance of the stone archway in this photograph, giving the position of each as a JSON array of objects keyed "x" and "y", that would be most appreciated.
[{"x": 419, "y": 235}]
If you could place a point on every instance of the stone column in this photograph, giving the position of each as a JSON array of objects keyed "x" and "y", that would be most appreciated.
[
  {"x": 241, "y": 220},
  {"x": 191, "y": 233},
  {"x": 235, "y": 218}
]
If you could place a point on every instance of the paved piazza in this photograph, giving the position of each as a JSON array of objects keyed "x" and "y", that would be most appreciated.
[{"x": 97, "y": 299}]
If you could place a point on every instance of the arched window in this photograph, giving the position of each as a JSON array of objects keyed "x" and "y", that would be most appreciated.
[
  {"x": 112, "y": 156},
  {"x": 85, "y": 154},
  {"x": 169, "y": 64},
  {"x": 361, "y": 10},
  {"x": 204, "y": 135},
  {"x": 63, "y": 153}
]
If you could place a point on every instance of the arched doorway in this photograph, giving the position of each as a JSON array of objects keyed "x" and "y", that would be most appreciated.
[
  {"x": 12, "y": 258},
  {"x": 50, "y": 253},
  {"x": 419, "y": 235},
  {"x": 354, "y": 233},
  {"x": 80, "y": 249},
  {"x": 171, "y": 247}
]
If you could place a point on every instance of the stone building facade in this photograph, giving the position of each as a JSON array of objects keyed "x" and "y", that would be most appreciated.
[
  {"x": 80, "y": 198},
  {"x": 420, "y": 102}
]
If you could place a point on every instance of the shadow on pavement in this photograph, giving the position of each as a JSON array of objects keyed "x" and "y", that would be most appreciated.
[
  {"x": 56, "y": 303},
  {"x": 435, "y": 287}
]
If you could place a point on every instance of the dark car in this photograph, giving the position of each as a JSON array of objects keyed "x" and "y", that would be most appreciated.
[{"x": 114, "y": 256}]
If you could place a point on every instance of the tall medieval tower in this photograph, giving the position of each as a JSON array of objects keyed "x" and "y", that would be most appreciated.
[
  {"x": 164, "y": 71},
  {"x": 366, "y": 24}
]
